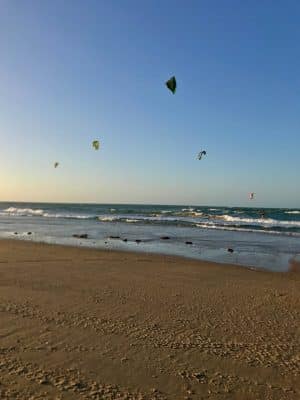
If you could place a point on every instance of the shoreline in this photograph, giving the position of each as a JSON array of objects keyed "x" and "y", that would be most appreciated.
[
  {"x": 85, "y": 323},
  {"x": 116, "y": 252},
  {"x": 295, "y": 265},
  {"x": 203, "y": 233}
]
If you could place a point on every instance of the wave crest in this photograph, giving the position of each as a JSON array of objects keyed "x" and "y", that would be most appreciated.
[
  {"x": 229, "y": 219},
  {"x": 30, "y": 212},
  {"x": 23, "y": 211},
  {"x": 260, "y": 221}
]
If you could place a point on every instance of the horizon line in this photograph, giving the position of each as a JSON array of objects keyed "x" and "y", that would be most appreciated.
[{"x": 145, "y": 204}]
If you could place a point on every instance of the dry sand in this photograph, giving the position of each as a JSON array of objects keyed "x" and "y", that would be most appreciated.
[{"x": 87, "y": 324}]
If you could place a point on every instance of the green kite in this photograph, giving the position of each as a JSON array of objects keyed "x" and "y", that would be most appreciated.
[
  {"x": 171, "y": 84},
  {"x": 96, "y": 144}
]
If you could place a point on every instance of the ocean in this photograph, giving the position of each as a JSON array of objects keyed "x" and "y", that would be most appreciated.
[{"x": 261, "y": 238}]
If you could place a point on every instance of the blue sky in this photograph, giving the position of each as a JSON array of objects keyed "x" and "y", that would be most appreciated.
[{"x": 74, "y": 71}]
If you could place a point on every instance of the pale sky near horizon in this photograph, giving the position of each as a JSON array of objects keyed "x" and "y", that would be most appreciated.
[{"x": 74, "y": 71}]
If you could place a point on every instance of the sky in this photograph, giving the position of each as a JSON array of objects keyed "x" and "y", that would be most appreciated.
[{"x": 73, "y": 71}]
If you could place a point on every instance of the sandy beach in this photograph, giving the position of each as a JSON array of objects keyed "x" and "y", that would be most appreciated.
[{"x": 87, "y": 324}]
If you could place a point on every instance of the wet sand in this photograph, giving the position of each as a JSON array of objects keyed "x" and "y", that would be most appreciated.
[{"x": 86, "y": 324}]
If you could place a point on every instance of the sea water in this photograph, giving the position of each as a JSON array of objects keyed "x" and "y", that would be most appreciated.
[{"x": 262, "y": 238}]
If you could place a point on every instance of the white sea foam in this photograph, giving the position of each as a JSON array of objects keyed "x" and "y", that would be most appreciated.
[
  {"x": 107, "y": 218},
  {"x": 241, "y": 229},
  {"x": 185, "y": 217},
  {"x": 189, "y": 213},
  {"x": 260, "y": 221},
  {"x": 23, "y": 211},
  {"x": 72, "y": 216},
  {"x": 28, "y": 212}
]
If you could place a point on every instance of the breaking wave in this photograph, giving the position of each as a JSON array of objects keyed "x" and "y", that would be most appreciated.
[
  {"x": 23, "y": 211},
  {"x": 261, "y": 221},
  {"x": 245, "y": 219},
  {"x": 29, "y": 212}
]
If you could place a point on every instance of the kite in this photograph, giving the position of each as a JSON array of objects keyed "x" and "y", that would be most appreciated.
[
  {"x": 171, "y": 84},
  {"x": 96, "y": 144},
  {"x": 201, "y": 154},
  {"x": 56, "y": 164},
  {"x": 251, "y": 196}
]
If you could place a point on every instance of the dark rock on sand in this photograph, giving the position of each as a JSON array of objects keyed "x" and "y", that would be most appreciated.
[
  {"x": 82, "y": 236},
  {"x": 230, "y": 250},
  {"x": 188, "y": 242},
  {"x": 16, "y": 233}
]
